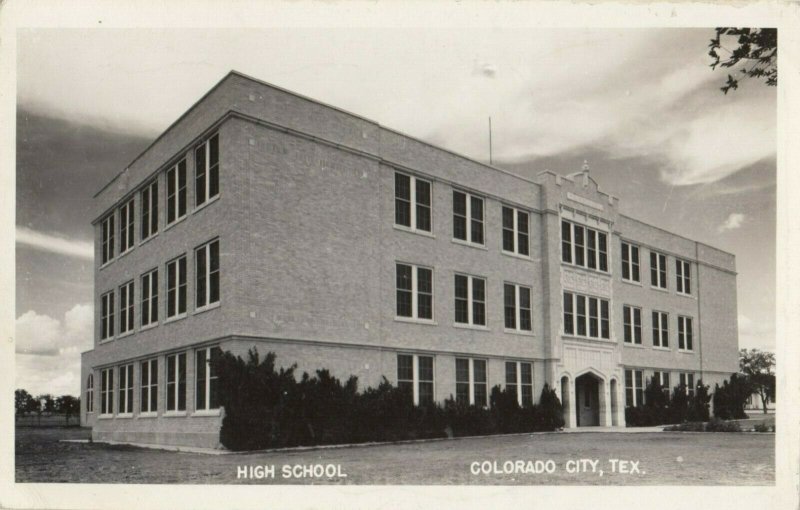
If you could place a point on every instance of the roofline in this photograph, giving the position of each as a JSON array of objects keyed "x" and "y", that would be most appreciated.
[
  {"x": 306, "y": 98},
  {"x": 678, "y": 235}
]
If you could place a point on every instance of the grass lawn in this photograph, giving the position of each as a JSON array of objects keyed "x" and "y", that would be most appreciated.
[{"x": 664, "y": 458}]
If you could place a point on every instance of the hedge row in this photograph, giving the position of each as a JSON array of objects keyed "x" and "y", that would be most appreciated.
[
  {"x": 661, "y": 408},
  {"x": 266, "y": 407}
]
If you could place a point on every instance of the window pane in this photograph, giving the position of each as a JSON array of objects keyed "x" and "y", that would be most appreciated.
[
  {"x": 459, "y": 215},
  {"x": 200, "y": 175},
  {"x": 404, "y": 298},
  {"x": 200, "y": 379},
  {"x": 566, "y": 242},
  {"x": 522, "y": 233},
  {"x": 200, "y": 271},
  {"x": 509, "y": 300},
  {"x": 405, "y": 367},
  {"x": 402, "y": 203}
]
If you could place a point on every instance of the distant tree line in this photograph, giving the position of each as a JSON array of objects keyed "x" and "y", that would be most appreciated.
[{"x": 26, "y": 404}]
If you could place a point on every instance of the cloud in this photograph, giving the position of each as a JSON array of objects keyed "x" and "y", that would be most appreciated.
[
  {"x": 55, "y": 244},
  {"x": 756, "y": 334},
  {"x": 733, "y": 222},
  {"x": 48, "y": 350}
]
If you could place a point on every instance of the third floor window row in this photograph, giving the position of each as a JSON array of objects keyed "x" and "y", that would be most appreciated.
[
  {"x": 584, "y": 247},
  {"x": 124, "y": 218}
]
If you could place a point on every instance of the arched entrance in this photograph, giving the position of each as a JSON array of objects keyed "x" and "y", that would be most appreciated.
[{"x": 588, "y": 392}]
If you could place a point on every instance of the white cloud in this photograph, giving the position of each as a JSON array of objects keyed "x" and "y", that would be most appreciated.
[
  {"x": 756, "y": 334},
  {"x": 55, "y": 244},
  {"x": 732, "y": 222},
  {"x": 48, "y": 350}
]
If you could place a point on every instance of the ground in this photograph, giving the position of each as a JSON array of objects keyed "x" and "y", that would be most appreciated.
[{"x": 664, "y": 458}]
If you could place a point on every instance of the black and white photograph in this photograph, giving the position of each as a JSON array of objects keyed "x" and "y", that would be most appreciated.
[{"x": 518, "y": 247}]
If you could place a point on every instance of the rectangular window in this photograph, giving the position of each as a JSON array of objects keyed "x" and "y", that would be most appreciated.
[
  {"x": 685, "y": 333},
  {"x": 90, "y": 393},
  {"x": 126, "y": 308},
  {"x": 467, "y": 217},
  {"x": 107, "y": 315},
  {"x": 206, "y": 176},
  {"x": 663, "y": 379},
  {"x": 176, "y": 382},
  {"x": 207, "y": 274},
  {"x": 683, "y": 276},
  {"x": 412, "y": 202},
  {"x": 658, "y": 270},
  {"x": 687, "y": 383},
  {"x": 414, "y": 291},
  {"x": 632, "y": 324},
  {"x": 107, "y": 391},
  {"x": 149, "y": 201},
  {"x": 634, "y": 392},
  {"x": 126, "y": 220},
  {"x": 206, "y": 379},
  {"x": 150, "y": 298},
  {"x": 471, "y": 381},
  {"x": 517, "y": 304},
  {"x": 660, "y": 329},
  {"x": 630, "y": 262},
  {"x": 149, "y": 386},
  {"x": 176, "y": 192},
  {"x": 519, "y": 381},
  {"x": 176, "y": 287},
  {"x": 583, "y": 246},
  {"x": 515, "y": 231},
  {"x": 125, "y": 398},
  {"x": 470, "y": 300},
  {"x": 108, "y": 238},
  {"x": 415, "y": 375},
  {"x": 590, "y": 317}
]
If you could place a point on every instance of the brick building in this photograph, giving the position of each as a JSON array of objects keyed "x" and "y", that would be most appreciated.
[{"x": 263, "y": 218}]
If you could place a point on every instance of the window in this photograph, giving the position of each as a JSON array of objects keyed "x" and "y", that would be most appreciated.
[
  {"x": 630, "y": 262},
  {"x": 632, "y": 324},
  {"x": 519, "y": 381},
  {"x": 687, "y": 382},
  {"x": 415, "y": 375},
  {"x": 470, "y": 295},
  {"x": 176, "y": 192},
  {"x": 658, "y": 270},
  {"x": 206, "y": 166},
  {"x": 206, "y": 379},
  {"x": 107, "y": 315},
  {"x": 176, "y": 382},
  {"x": 90, "y": 393},
  {"x": 590, "y": 316},
  {"x": 683, "y": 276},
  {"x": 412, "y": 202},
  {"x": 471, "y": 381},
  {"x": 126, "y": 219},
  {"x": 515, "y": 231},
  {"x": 149, "y": 386},
  {"x": 467, "y": 217},
  {"x": 663, "y": 379},
  {"x": 634, "y": 393},
  {"x": 149, "y": 202},
  {"x": 207, "y": 274},
  {"x": 176, "y": 287},
  {"x": 125, "y": 389},
  {"x": 107, "y": 391},
  {"x": 517, "y": 304},
  {"x": 150, "y": 298},
  {"x": 414, "y": 291},
  {"x": 584, "y": 246},
  {"x": 660, "y": 329},
  {"x": 108, "y": 238},
  {"x": 126, "y": 308},
  {"x": 685, "y": 333}
]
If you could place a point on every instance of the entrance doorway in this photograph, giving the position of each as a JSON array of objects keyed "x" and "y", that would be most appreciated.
[{"x": 587, "y": 400}]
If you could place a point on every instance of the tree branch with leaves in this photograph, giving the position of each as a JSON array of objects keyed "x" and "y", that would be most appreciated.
[{"x": 755, "y": 54}]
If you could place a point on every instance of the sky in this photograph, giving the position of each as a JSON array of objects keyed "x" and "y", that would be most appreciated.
[{"x": 642, "y": 106}]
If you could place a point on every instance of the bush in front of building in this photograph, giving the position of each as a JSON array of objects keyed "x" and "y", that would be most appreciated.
[
  {"x": 661, "y": 408},
  {"x": 266, "y": 407},
  {"x": 731, "y": 397},
  {"x": 698, "y": 409}
]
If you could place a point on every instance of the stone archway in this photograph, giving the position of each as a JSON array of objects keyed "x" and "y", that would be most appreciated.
[{"x": 589, "y": 400}]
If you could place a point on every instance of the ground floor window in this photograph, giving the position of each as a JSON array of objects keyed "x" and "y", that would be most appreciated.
[
  {"x": 471, "y": 381},
  {"x": 415, "y": 374},
  {"x": 634, "y": 392},
  {"x": 663, "y": 379},
  {"x": 126, "y": 389},
  {"x": 149, "y": 386},
  {"x": 206, "y": 379},
  {"x": 90, "y": 393},
  {"x": 107, "y": 391},
  {"x": 519, "y": 381},
  {"x": 687, "y": 382},
  {"x": 176, "y": 382}
]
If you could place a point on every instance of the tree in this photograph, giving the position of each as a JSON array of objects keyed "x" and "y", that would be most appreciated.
[
  {"x": 68, "y": 406},
  {"x": 24, "y": 403},
  {"x": 757, "y": 366},
  {"x": 756, "y": 54}
]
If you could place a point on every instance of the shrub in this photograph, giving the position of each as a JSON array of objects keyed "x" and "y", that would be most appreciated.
[
  {"x": 692, "y": 426},
  {"x": 717, "y": 425},
  {"x": 761, "y": 427},
  {"x": 698, "y": 404},
  {"x": 730, "y": 399}
]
